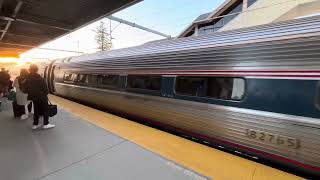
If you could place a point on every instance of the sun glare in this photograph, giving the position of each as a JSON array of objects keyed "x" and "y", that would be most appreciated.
[
  {"x": 8, "y": 60},
  {"x": 13, "y": 60}
]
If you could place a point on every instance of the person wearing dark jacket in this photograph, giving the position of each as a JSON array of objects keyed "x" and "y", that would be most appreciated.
[
  {"x": 4, "y": 82},
  {"x": 37, "y": 90}
]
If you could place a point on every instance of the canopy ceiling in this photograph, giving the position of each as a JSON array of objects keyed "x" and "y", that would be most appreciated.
[{"x": 25, "y": 24}]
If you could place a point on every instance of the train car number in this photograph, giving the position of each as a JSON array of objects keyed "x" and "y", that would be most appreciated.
[{"x": 273, "y": 138}]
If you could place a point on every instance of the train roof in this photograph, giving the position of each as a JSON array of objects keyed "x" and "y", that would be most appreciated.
[{"x": 163, "y": 51}]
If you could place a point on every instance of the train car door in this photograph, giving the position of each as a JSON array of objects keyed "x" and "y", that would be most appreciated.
[{"x": 51, "y": 80}]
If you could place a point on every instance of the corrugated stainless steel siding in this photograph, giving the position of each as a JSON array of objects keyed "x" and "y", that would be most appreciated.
[
  {"x": 271, "y": 46},
  {"x": 225, "y": 123},
  {"x": 292, "y": 54}
]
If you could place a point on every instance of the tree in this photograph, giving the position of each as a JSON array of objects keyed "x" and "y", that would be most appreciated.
[{"x": 103, "y": 37}]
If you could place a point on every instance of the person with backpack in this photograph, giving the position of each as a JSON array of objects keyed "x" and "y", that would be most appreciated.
[{"x": 21, "y": 97}]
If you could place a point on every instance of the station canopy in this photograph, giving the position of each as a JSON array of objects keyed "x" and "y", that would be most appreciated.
[{"x": 25, "y": 24}]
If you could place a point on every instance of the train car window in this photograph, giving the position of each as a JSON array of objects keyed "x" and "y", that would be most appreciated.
[
  {"x": 82, "y": 79},
  {"x": 191, "y": 86},
  {"x": 93, "y": 80},
  {"x": 85, "y": 79},
  {"x": 212, "y": 87},
  {"x": 144, "y": 82},
  {"x": 69, "y": 78},
  {"x": 108, "y": 80}
]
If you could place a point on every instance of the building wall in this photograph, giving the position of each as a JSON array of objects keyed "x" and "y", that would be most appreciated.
[
  {"x": 268, "y": 11},
  {"x": 301, "y": 10}
]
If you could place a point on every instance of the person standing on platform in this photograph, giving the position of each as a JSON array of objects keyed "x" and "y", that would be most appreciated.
[
  {"x": 37, "y": 91},
  {"x": 1, "y": 81},
  {"x": 1, "y": 84},
  {"x": 22, "y": 98},
  {"x": 8, "y": 83},
  {"x": 4, "y": 82}
]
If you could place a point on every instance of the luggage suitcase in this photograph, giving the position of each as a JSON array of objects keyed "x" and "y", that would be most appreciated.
[{"x": 18, "y": 110}]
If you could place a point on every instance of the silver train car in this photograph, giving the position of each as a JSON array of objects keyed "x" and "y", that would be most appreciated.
[{"x": 255, "y": 90}]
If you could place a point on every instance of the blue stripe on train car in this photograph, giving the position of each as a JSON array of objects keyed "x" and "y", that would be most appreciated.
[{"x": 294, "y": 97}]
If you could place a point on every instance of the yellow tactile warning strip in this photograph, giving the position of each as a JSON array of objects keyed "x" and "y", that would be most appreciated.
[{"x": 207, "y": 161}]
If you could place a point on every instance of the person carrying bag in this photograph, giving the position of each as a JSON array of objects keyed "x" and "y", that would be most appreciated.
[{"x": 37, "y": 91}]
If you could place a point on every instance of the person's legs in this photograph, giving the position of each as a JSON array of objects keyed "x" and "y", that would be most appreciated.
[
  {"x": 26, "y": 113},
  {"x": 37, "y": 112},
  {"x": 30, "y": 107},
  {"x": 46, "y": 116},
  {"x": 45, "y": 112},
  {"x": 41, "y": 108}
]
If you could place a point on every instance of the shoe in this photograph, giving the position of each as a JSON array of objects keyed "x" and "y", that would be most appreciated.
[
  {"x": 49, "y": 126},
  {"x": 34, "y": 127},
  {"x": 24, "y": 116}
]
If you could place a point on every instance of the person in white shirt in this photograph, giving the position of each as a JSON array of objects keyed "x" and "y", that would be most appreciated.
[{"x": 22, "y": 98}]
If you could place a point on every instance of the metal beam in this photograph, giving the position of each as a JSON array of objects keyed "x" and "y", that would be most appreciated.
[
  {"x": 36, "y": 23},
  {"x": 1, "y": 3},
  {"x": 138, "y": 26},
  {"x": 49, "y": 49},
  {"x": 15, "y": 12},
  {"x": 32, "y": 22},
  {"x": 25, "y": 36},
  {"x": 6, "y": 18},
  {"x": 31, "y": 37}
]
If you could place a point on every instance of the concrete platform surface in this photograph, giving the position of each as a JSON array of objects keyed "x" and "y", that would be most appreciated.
[{"x": 76, "y": 150}]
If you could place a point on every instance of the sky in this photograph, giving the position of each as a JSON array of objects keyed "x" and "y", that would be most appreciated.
[{"x": 167, "y": 16}]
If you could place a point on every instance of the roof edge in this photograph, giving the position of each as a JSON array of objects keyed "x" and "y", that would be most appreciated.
[{"x": 218, "y": 11}]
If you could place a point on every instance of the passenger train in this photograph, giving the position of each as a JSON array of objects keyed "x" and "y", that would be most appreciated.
[{"x": 255, "y": 90}]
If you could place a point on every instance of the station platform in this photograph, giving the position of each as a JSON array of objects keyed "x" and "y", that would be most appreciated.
[{"x": 90, "y": 144}]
